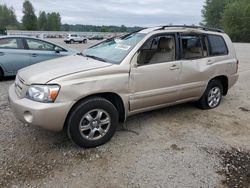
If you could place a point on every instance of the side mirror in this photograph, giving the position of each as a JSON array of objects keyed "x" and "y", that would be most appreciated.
[
  {"x": 57, "y": 49},
  {"x": 134, "y": 60},
  {"x": 140, "y": 58}
]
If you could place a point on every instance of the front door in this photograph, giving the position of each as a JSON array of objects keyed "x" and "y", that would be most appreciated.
[
  {"x": 154, "y": 80},
  {"x": 41, "y": 51}
]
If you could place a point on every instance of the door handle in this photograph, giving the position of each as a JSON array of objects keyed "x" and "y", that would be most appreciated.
[
  {"x": 34, "y": 55},
  {"x": 174, "y": 67},
  {"x": 210, "y": 62},
  {"x": 2, "y": 53}
]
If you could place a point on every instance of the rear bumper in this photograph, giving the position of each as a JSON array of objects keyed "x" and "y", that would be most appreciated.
[
  {"x": 50, "y": 116},
  {"x": 232, "y": 80}
]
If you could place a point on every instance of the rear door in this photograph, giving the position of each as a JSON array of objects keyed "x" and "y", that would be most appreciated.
[
  {"x": 195, "y": 71},
  {"x": 41, "y": 50},
  {"x": 13, "y": 56}
]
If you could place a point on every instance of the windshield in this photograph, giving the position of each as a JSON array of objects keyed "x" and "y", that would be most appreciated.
[{"x": 115, "y": 50}]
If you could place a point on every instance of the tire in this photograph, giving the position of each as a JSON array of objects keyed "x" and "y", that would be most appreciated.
[
  {"x": 212, "y": 95},
  {"x": 1, "y": 74},
  {"x": 71, "y": 41},
  {"x": 96, "y": 130},
  {"x": 84, "y": 41}
]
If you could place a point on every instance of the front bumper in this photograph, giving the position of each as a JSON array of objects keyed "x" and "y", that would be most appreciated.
[{"x": 50, "y": 116}]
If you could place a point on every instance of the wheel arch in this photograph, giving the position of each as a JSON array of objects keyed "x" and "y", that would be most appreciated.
[
  {"x": 114, "y": 98},
  {"x": 224, "y": 81}
]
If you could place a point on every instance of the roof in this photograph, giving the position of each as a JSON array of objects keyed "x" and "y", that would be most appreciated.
[
  {"x": 180, "y": 27},
  {"x": 17, "y": 36},
  {"x": 29, "y": 37}
]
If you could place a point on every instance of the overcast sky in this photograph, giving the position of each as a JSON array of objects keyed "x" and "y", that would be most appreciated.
[{"x": 118, "y": 12}]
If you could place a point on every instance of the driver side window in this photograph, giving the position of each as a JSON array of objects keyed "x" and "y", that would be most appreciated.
[
  {"x": 39, "y": 45},
  {"x": 158, "y": 49}
]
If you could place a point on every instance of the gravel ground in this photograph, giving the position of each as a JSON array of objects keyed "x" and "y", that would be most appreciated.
[{"x": 179, "y": 146}]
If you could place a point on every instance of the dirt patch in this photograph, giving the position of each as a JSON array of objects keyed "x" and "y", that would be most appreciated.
[
  {"x": 176, "y": 148},
  {"x": 236, "y": 167}
]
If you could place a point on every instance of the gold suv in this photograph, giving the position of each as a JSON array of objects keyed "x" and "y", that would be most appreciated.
[{"x": 90, "y": 93}]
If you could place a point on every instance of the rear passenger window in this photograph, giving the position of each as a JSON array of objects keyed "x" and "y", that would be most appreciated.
[
  {"x": 217, "y": 45},
  {"x": 191, "y": 47}
]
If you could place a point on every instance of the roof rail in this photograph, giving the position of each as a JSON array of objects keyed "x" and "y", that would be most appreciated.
[{"x": 194, "y": 27}]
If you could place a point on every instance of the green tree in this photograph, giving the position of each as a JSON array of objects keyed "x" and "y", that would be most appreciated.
[
  {"x": 123, "y": 28},
  {"x": 42, "y": 21},
  {"x": 7, "y": 17},
  {"x": 53, "y": 21},
  {"x": 212, "y": 13},
  {"x": 104, "y": 29},
  {"x": 29, "y": 18},
  {"x": 236, "y": 20}
]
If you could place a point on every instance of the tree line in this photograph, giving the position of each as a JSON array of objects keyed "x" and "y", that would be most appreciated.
[
  {"x": 45, "y": 21},
  {"x": 233, "y": 16},
  {"x": 48, "y": 21},
  {"x": 94, "y": 28}
]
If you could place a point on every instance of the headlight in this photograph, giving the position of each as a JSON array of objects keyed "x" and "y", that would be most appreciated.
[{"x": 43, "y": 93}]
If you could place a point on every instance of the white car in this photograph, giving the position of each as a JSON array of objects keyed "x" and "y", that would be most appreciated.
[{"x": 72, "y": 38}]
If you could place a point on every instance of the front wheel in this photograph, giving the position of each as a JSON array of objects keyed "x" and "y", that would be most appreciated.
[
  {"x": 92, "y": 122},
  {"x": 212, "y": 96}
]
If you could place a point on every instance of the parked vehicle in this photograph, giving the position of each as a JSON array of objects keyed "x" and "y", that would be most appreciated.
[
  {"x": 17, "y": 52},
  {"x": 89, "y": 94},
  {"x": 96, "y": 37},
  {"x": 72, "y": 38}
]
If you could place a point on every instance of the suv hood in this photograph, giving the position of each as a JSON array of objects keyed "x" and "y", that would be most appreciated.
[{"x": 46, "y": 71}]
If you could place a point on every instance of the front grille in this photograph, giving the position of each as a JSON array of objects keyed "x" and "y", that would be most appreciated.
[
  {"x": 19, "y": 86},
  {"x": 21, "y": 80}
]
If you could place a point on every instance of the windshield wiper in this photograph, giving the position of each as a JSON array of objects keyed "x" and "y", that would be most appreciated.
[{"x": 95, "y": 57}]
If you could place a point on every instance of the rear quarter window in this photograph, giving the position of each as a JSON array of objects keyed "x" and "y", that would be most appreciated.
[{"x": 217, "y": 45}]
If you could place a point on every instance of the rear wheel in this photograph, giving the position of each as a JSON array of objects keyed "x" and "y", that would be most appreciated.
[
  {"x": 212, "y": 96},
  {"x": 92, "y": 122},
  {"x": 84, "y": 41}
]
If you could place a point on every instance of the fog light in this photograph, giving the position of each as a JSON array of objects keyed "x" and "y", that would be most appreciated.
[{"x": 28, "y": 117}]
